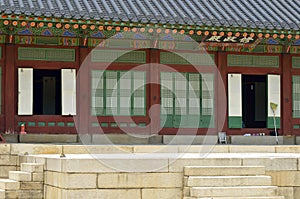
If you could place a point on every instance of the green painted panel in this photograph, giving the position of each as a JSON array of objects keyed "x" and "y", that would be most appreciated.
[
  {"x": 253, "y": 61},
  {"x": 46, "y": 54},
  {"x": 119, "y": 43},
  {"x": 47, "y": 40},
  {"x": 41, "y": 123},
  {"x": 235, "y": 122},
  {"x": 2, "y": 39},
  {"x": 166, "y": 121},
  {"x": 296, "y": 62},
  {"x": 141, "y": 124},
  {"x": 104, "y": 124},
  {"x": 122, "y": 56},
  {"x": 0, "y": 52},
  {"x": 95, "y": 124},
  {"x": 20, "y": 123},
  {"x": 113, "y": 124},
  {"x": 296, "y": 126},
  {"x": 61, "y": 124},
  {"x": 31, "y": 123},
  {"x": 207, "y": 122},
  {"x": 132, "y": 124},
  {"x": 70, "y": 124},
  {"x": 123, "y": 124},
  {"x": 51, "y": 123},
  {"x": 270, "y": 122},
  {"x": 187, "y": 58}
]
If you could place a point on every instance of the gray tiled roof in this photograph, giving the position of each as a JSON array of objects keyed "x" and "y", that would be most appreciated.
[{"x": 263, "y": 14}]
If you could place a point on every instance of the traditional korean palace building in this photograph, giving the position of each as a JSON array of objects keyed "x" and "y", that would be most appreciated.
[{"x": 150, "y": 66}]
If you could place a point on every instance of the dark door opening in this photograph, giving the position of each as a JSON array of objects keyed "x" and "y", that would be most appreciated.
[
  {"x": 254, "y": 97},
  {"x": 46, "y": 92}
]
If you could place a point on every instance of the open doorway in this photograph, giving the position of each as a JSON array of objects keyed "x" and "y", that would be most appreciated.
[
  {"x": 254, "y": 101},
  {"x": 46, "y": 92}
]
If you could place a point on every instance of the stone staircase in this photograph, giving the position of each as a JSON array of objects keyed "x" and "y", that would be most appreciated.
[
  {"x": 228, "y": 182},
  {"x": 27, "y": 183}
]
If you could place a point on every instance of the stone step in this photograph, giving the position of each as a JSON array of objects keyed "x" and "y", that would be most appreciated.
[
  {"x": 242, "y": 191},
  {"x": 32, "y": 167},
  {"x": 228, "y": 181},
  {"x": 2, "y": 194},
  {"x": 20, "y": 176},
  {"x": 258, "y": 197},
  {"x": 224, "y": 170},
  {"x": 8, "y": 184}
]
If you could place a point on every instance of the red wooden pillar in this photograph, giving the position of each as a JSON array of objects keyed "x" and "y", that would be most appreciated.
[
  {"x": 154, "y": 101},
  {"x": 83, "y": 95},
  {"x": 221, "y": 109},
  {"x": 10, "y": 87},
  {"x": 286, "y": 90}
]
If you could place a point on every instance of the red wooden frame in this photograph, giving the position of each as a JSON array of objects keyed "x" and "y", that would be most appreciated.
[{"x": 9, "y": 118}]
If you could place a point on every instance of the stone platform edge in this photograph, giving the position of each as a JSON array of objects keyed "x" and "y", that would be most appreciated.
[{"x": 107, "y": 139}]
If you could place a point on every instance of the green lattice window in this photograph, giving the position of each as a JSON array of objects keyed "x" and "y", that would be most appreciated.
[
  {"x": 118, "y": 93},
  {"x": 296, "y": 62},
  {"x": 187, "y": 100},
  {"x": 197, "y": 59},
  {"x": 46, "y": 54},
  {"x": 122, "y": 56},
  {"x": 253, "y": 61},
  {"x": 296, "y": 96}
]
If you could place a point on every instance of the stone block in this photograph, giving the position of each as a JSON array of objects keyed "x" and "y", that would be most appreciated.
[
  {"x": 48, "y": 138},
  {"x": 251, "y": 149},
  {"x": 155, "y": 149},
  {"x": 96, "y": 149},
  {"x": 157, "y": 139},
  {"x": 101, "y": 193},
  {"x": 11, "y": 138},
  {"x": 108, "y": 163},
  {"x": 29, "y": 194},
  {"x": 287, "y": 149},
  {"x": 162, "y": 193},
  {"x": 52, "y": 192},
  {"x": 248, "y": 191},
  {"x": 8, "y": 184},
  {"x": 289, "y": 140},
  {"x": 118, "y": 139},
  {"x": 31, "y": 185},
  {"x": 297, "y": 140},
  {"x": 38, "y": 177},
  {"x": 32, "y": 167},
  {"x": 4, "y": 170},
  {"x": 203, "y": 149},
  {"x": 176, "y": 165},
  {"x": 18, "y": 149},
  {"x": 228, "y": 181},
  {"x": 54, "y": 164},
  {"x": 190, "y": 139},
  {"x": 273, "y": 164},
  {"x": 5, "y": 149},
  {"x": 140, "y": 180},
  {"x": 8, "y": 160},
  {"x": 71, "y": 181},
  {"x": 2, "y": 194},
  {"x": 19, "y": 176},
  {"x": 296, "y": 192},
  {"x": 12, "y": 194},
  {"x": 287, "y": 192},
  {"x": 285, "y": 178},
  {"x": 223, "y": 170},
  {"x": 255, "y": 140}
]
